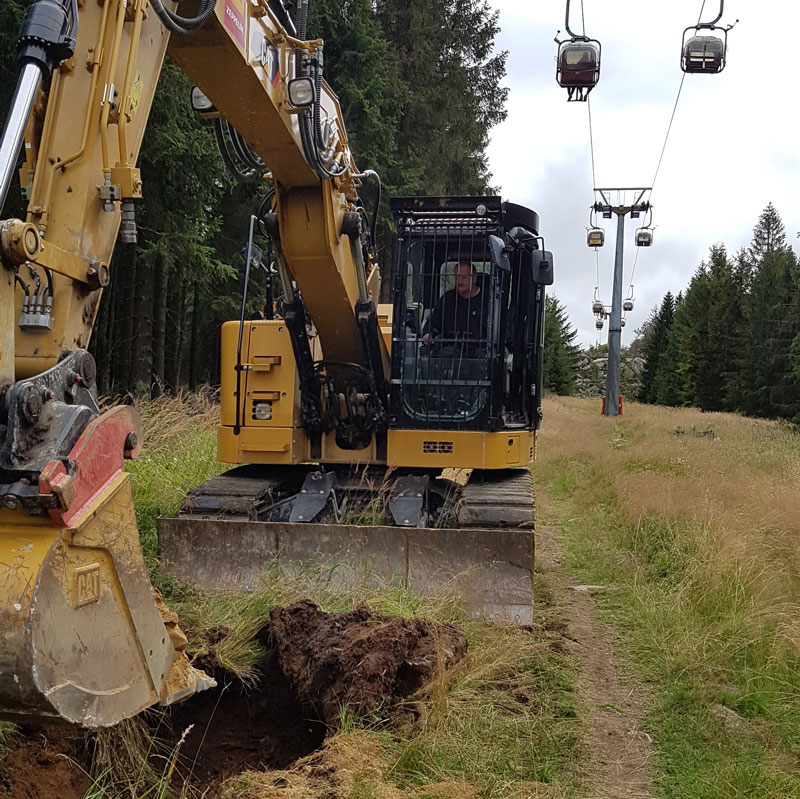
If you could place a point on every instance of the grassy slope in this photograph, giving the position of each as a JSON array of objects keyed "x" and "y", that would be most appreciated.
[
  {"x": 694, "y": 520},
  {"x": 505, "y": 722}
]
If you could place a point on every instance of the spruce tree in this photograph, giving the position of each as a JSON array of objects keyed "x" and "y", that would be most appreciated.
[
  {"x": 655, "y": 336},
  {"x": 669, "y": 385},
  {"x": 773, "y": 389},
  {"x": 560, "y": 350}
]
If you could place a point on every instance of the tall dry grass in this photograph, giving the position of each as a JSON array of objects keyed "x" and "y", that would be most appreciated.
[
  {"x": 694, "y": 519},
  {"x": 734, "y": 479},
  {"x": 178, "y": 453}
]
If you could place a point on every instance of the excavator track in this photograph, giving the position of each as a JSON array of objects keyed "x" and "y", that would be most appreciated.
[{"x": 498, "y": 499}]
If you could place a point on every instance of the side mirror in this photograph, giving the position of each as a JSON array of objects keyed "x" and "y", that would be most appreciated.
[
  {"x": 497, "y": 252},
  {"x": 542, "y": 267}
]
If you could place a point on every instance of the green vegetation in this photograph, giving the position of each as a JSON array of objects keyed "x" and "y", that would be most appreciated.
[
  {"x": 560, "y": 350},
  {"x": 731, "y": 341},
  {"x": 180, "y": 452},
  {"x": 705, "y": 600}
]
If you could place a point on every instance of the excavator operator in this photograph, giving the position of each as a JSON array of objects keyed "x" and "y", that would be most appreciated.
[{"x": 462, "y": 312}]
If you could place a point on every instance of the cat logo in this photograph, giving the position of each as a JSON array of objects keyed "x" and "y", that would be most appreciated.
[{"x": 87, "y": 585}]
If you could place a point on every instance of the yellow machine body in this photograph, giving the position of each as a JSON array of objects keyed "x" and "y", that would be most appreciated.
[
  {"x": 271, "y": 379},
  {"x": 82, "y": 635}
]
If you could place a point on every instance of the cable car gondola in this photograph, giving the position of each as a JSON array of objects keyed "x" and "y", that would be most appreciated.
[
  {"x": 597, "y": 307},
  {"x": 595, "y": 236},
  {"x": 627, "y": 305},
  {"x": 644, "y": 234},
  {"x": 705, "y": 54},
  {"x": 577, "y": 64},
  {"x": 599, "y": 324}
]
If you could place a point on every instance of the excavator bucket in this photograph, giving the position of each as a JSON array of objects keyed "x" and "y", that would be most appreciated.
[
  {"x": 486, "y": 562},
  {"x": 82, "y": 637}
]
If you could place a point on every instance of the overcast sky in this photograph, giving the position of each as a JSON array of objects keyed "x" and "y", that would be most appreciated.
[{"x": 733, "y": 148}]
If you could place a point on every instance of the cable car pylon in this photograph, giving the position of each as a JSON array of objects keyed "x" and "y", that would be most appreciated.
[{"x": 615, "y": 324}]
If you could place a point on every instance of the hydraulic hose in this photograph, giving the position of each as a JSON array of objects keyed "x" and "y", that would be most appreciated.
[{"x": 182, "y": 26}]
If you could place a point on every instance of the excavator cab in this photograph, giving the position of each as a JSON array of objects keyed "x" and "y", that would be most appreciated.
[{"x": 467, "y": 314}]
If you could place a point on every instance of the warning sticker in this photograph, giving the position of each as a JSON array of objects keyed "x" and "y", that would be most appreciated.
[{"x": 234, "y": 19}]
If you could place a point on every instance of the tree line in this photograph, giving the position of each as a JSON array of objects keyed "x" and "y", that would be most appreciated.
[
  {"x": 419, "y": 87},
  {"x": 731, "y": 340}
]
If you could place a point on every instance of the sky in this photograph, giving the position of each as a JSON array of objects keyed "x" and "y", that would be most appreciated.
[{"x": 733, "y": 147}]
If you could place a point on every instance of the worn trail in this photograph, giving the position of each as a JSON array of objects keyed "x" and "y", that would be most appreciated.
[{"x": 620, "y": 751}]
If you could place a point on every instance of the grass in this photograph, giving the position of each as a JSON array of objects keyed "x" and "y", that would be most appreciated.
[
  {"x": 179, "y": 453},
  {"x": 699, "y": 533},
  {"x": 503, "y": 725}
]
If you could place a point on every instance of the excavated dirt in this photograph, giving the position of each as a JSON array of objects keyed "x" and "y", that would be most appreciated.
[
  {"x": 357, "y": 660},
  {"x": 45, "y": 763},
  {"x": 317, "y": 664}
]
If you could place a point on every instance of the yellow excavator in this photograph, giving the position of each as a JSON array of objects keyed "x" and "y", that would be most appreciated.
[{"x": 331, "y": 403}]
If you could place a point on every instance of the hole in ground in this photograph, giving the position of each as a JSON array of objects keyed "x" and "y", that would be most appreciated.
[{"x": 235, "y": 727}]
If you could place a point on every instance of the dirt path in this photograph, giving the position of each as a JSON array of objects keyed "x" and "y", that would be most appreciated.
[{"x": 619, "y": 748}]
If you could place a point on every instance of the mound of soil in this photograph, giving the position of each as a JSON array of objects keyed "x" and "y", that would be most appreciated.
[
  {"x": 317, "y": 663},
  {"x": 356, "y": 659}
]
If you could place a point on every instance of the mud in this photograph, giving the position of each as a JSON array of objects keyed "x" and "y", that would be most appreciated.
[{"x": 44, "y": 763}]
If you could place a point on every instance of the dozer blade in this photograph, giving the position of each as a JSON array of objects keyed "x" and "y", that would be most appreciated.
[
  {"x": 490, "y": 569},
  {"x": 81, "y": 637}
]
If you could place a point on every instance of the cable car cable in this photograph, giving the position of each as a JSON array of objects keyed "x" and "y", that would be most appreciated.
[
  {"x": 671, "y": 119},
  {"x": 591, "y": 139}
]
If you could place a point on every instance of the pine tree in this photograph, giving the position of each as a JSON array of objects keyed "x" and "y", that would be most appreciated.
[
  {"x": 669, "y": 382},
  {"x": 769, "y": 234},
  {"x": 447, "y": 82},
  {"x": 655, "y": 335},
  {"x": 560, "y": 350}
]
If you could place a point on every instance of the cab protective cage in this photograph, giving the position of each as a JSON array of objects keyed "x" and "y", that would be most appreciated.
[{"x": 474, "y": 362}]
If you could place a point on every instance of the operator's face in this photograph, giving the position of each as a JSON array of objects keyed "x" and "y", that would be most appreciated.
[{"x": 465, "y": 280}]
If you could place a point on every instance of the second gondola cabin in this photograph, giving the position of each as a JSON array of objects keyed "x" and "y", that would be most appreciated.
[
  {"x": 644, "y": 237},
  {"x": 595, "y": 237}
]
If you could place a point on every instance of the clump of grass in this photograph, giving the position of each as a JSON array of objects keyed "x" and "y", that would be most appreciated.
[
  {"x": 178, "y": 453},
  {"x": 130, "y": 761},
  {"x": 8, "y": 732}
]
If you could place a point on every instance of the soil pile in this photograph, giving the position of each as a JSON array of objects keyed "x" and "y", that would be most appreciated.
[
  {"x": 358, "y": 660},
  {"x": 317, "y": 663}
]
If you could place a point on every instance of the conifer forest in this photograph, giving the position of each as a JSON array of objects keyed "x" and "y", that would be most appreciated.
[{"x": 419, "y": 85}]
